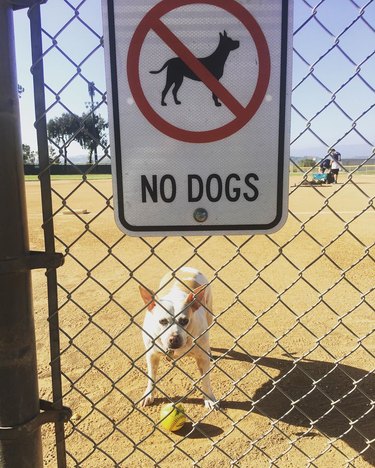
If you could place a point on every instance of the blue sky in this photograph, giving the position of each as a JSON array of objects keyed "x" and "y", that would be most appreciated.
[
  {"x": 334, "y": 105},
  {"x": 336, "y": 81}
]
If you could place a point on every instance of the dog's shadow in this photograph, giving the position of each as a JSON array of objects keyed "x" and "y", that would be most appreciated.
[{"x": 335, "y": 399}]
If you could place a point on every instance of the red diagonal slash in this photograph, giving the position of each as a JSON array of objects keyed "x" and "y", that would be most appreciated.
[
  {"x": 242, "y": 114},
  {"x": 197, "y": 67}
]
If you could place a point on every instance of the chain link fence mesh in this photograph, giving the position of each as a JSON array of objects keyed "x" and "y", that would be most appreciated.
[{"x": 293, "y": 336}]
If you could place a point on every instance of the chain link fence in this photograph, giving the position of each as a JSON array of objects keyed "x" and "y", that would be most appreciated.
[{"x": 293, "y": 335}]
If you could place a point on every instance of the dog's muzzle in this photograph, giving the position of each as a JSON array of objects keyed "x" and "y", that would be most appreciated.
[{"x": 175, "y": 341}]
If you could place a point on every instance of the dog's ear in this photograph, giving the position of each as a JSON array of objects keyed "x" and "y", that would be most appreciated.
[
  {"x": 225, "y": 34},
  {"x": 148, "y": 297},
  {"x": 196, "y": 298}
]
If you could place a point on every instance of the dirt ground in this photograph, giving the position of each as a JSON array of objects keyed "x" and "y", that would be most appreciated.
[{"x": 292, "y": 343}]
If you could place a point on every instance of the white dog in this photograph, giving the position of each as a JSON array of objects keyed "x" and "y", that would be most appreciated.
[{"x": 176, "y": 324}]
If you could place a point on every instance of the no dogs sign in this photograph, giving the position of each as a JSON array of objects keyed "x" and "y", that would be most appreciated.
[{"x": 199, "y": 98}]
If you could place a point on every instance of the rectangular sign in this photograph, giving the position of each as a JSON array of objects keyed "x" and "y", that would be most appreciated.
[{"x": 199, "y": 99}]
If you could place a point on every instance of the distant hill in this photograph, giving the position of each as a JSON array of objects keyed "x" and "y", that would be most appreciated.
[
  {"x": 344, "y": 161},
  {"x": 347, "y": 152},
  {"x": 83, "y": 159}
]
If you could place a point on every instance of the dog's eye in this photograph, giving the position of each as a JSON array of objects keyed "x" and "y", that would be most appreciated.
[
  {"x": 183, "y": 321},
  {"x": 163, "y": 322}
]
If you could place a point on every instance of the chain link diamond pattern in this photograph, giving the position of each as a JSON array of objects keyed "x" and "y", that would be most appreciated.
[{"x": 293, "y": 332}]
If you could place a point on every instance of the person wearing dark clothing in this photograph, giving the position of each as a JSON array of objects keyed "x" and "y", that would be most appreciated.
[{"x": 324, "y": 165}]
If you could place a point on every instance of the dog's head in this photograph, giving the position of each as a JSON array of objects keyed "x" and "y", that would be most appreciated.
[
  {"x": 227, "y": 42},
  {"x": 173, "y": 316}
]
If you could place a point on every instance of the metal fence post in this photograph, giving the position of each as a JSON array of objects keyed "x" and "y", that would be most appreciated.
[
  {"x": 19, "y": 400},
  {"x": 48, "y": 225}
]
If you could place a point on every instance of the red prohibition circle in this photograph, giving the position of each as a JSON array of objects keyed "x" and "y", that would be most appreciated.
[{"x": 152, "y": 21}]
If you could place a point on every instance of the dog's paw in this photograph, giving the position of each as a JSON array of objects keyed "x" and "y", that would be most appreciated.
[
  {"x": 147, "y": 400},
  {"x": 212, "y": 404}
]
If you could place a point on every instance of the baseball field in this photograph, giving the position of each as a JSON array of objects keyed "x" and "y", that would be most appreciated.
[{"x": 293, "y": 341}]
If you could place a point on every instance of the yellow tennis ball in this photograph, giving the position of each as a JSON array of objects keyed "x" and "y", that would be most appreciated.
[{"x": 172, "y": 416}]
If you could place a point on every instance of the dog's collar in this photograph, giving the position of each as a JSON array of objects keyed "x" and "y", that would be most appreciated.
[{"x": 169, "y": 355}]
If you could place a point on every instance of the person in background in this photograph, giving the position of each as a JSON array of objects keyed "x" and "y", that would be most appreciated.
[
  {"x": 324, "y": 165},
  {"x": 335, "y": 165}
]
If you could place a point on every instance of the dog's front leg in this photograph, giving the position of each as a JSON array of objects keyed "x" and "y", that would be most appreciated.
[
  {"x": 153, "y": 360},
  {"x": 216, "y": 100},
  {"x": 203, "y": 363}
]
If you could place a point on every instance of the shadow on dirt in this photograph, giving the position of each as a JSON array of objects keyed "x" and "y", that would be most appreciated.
[
  {"x": 335, "y": 399},
  {"x": 199, "y": 431}
]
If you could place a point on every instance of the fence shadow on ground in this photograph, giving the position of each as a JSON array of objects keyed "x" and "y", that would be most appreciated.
[{"x": 338, "y": 399}]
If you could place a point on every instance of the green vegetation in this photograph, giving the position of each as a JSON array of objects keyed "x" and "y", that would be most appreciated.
[
  {"x": 89, "y": 131},
  {"x": 29, "y": 157},
  {"x": 308, "y": 162}
]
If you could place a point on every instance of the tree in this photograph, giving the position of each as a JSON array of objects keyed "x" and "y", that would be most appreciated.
[
  {"x": 53, "y": 158},
  {"x": 29, "y": 157},
  {"x": 89, "y": 131},
  {"x": 93, "y": 133},
  {"x": 63, "y": 130},
  {"x": 32, "y": 157},
  {"x": 308, "y": 162}
]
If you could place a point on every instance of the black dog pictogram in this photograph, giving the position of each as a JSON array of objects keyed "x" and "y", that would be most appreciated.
[{"x": 177, "y": 69}]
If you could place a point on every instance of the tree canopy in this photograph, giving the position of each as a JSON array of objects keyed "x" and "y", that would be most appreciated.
[
  {"x": 89, "y": 130},
  {"x": 29, "y": 157},
  {"x": 92, "y": 133}
]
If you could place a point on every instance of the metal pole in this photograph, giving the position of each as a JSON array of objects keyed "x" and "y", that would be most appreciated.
[
  {"x": 19, "y": 399},
  {"x": 48, "y": 227}
]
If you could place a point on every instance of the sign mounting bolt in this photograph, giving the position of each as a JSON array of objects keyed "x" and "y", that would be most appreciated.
[{"x": 200, "y": 215}]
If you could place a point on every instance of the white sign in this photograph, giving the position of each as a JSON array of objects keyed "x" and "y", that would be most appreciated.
[{"x": 199, "y": 98}]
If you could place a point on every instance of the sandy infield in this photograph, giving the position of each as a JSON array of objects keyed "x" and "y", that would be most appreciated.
[{"x": 294, "y": 315}]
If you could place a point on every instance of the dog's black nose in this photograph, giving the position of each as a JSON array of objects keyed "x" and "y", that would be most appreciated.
[{"x": 175, "y": 341}]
